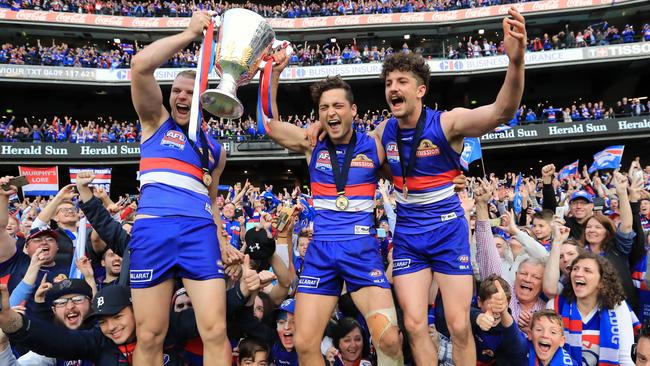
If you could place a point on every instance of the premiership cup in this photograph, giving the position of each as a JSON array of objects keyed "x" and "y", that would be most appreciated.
[{"x": 244, "y": 39}]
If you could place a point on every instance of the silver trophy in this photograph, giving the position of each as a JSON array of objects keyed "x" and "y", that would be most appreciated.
[{"x": 244, "y": 39}]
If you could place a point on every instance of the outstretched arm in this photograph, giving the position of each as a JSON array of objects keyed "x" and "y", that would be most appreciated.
[
  {"x": 286, "y": 134},
  {"x": 461, "y": 122},
  {"x": 145, "y": 92}
]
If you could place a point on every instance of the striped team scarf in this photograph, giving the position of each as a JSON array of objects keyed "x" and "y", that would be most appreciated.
[
  {"x": 638, "y": 273},
  {"x": 608, "y": 354},
  {"x": 560, "y": 358},
  {"x": 205, "y": 66}
]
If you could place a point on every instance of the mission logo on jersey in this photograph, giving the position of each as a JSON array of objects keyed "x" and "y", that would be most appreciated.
[
  {"x": 426, "y": 149},
  {"x": 362, "y": 161}
]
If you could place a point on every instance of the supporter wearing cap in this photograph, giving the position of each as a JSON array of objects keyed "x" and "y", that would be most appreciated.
[
  {"x": 109, "y": 344},
  {"x": 70, "y": 302},
  {"x": 62, "y": 210},
  {"x": 581, "y": 203},
  {"x": 283, "y": 352},
  {"x": 14, "y": 263}
]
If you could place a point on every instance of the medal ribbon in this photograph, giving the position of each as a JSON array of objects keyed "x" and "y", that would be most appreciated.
[
  {"x": 264, "y": 105},
  {"x": 205, "y": 65},
  {"x": 419, "y": 128},
  {"x": 341, "y": 175}
]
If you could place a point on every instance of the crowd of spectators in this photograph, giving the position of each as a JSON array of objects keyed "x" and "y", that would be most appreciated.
[
  {"x": 114, "y": 55},
  {"x": 537, "y": 251},
  {"x": 104, "y": 130},
  {"x": 284, "y": 9}
]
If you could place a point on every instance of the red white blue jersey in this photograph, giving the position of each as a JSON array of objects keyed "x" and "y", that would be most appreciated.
[
  {"x": 431, "y": 199},
  {"x": 171, "y": 178},
  {"x": 330, "y": 223}
]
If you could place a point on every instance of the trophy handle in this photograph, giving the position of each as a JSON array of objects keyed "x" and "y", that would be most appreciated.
[{"x": 277, "y": 45}]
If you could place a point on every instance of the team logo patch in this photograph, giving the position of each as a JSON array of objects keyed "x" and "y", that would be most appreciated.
[
  {"x": 362, "y": 161},
  {"x": 174, "y": 139},
  {"x": 401, "y": 263},
  {"x": 144, "y": 275},
  {"x": 427, "y": 149},
  {"x": 323, "y": 162},
  {"x": 463, "y": 259},
  {"x": 392, "y": 153},
  {"x": 375, "y": 273},
  {"x": 488, "y": 352},
  {"x": 310, "y": 282}
]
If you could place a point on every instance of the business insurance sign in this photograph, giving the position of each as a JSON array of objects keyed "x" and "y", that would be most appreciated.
[{"x": 348, "y": 71}]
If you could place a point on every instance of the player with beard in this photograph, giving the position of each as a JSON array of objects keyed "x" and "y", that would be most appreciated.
[
  {"x": 423, "y": 149},
  {"x": 109, "y": 344},
  {"x": 70, "y": 303},
  {"x": 343, "y": 171},
  {"x": 175, "y": 233}
]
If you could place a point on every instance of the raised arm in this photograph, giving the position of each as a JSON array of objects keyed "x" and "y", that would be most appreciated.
[
  {"x": 286, "y": 134},
  {"x": 7, "y": 243},
  {"x": 461, "y": 122},
  {"x": 47, "y": 213},
  {"x": 552, "y": 268},
  {"x": 145, "y": 92},
  {"x": 487, "y": 254},
  {"x": 621, "y": 183}
]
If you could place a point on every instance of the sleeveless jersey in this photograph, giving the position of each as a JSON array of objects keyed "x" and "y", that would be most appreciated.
[
  {"x": 171, "y": 178},
  {"x": 330, "y": 223},
  {"x": 431, "y": 199}
]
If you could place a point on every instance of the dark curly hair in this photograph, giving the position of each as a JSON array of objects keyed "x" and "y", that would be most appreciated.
[
  {"x": 331, "y": 82},
  {"x": 609, "y": 226},
  {"x": 611, "y": 293},
  {"x": 406, "y": 62}
]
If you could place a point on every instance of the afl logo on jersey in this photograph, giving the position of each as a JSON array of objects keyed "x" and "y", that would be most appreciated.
[
  {"x": 392, "y": 153},
  {"x": 174, "y": 139},
  {"x": 323, "y": 162},
  {"x": 427, "y": 149},
  {"x": 362, "y": 161}
]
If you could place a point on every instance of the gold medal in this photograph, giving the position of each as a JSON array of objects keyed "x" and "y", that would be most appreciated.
[
  {"x": 207, "y": 179},
  {"x": 342, "y": 202},
  {"x": 405, "y": 191}
]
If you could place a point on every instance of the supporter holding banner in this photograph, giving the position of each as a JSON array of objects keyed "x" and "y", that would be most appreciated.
[
  {"x": 610, "y": 158},
  {"x": 43, "y": 181},
  {"x": 569, "y": 170},
  {"x": 102, "y": 177},
  {"x": 471, "y": 151}
]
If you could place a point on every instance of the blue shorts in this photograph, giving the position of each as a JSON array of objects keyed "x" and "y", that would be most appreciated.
[
  {"x": 329, "y": 263},
  {"x": 173, "y": 247},
  {"x": 444, "y": 249}
]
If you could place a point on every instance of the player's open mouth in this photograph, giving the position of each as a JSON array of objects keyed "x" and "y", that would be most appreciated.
[
  {"x": 396, "y": 101},
  {"x": 334, "y": 124},
  {"x": 580, "y": 283},
  {"x": 182, "y": 108},
  {"x": 526, "y": 287}
]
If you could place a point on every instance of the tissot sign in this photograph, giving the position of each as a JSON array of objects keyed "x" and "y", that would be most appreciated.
[{"x": 582, "y": 129}]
